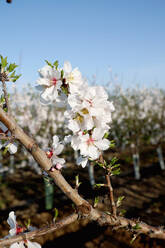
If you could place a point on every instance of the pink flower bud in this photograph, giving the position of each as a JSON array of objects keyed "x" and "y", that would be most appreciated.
[{"x": 58, "y": 166}]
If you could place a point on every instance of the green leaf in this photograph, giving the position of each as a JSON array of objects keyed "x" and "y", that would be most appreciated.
[
  {"x": 16, "y": 77},
  {"x": 12, "y": 74},
  {"x": 115, "y": 166},
  {"x": 77, "y": 181},
  {"x": 115, "y": 172},
  {"x": 96, "y": 201},
  {"x": 11, "y": 67},
  {"x": 113, "y": 161},
  {"x": 62, "y": 73},
  {"x": 106, "y": 135},
  {"x": 27, "y": 223},
  {"x": 55, "y": 214},
  {"x": 48, "y": 63},
  {"x": 136, "y": 227},
  {"x": 56, "y": 64},
  {"x": 133, "y": 239},
  {"x": 122, "y": 212},
  {"x": 64, "y": 90},
  {"x": 112, "y": 144},
  {"x": 2, "y": 99},
  {"x": 119, "y": 201},
  {"x": 99, "y": 185},
  {"x": 5, "y": 150},
  {"x": 3, "y": 62}
]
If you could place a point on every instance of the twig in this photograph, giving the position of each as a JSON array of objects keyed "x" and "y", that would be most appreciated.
[
  {"x": 5, "y": 95},
  {"x": 109, "y": 185},
  {"x": 39, "y": 232},
  {"x": 4, "y": 137},
  {"x": 113, "y": 205}
]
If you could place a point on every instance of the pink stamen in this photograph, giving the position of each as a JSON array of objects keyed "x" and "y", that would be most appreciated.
[
  {"x": 89, "y": 101},
  {"x": 19, "y": 229},
  {"x": 90, "y": 141},
  {"x": 54, "y": 81},
  {"x": 49, "y": 154}
]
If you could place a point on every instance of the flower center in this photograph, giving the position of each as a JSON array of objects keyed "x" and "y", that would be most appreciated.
[
  {"x": 54, "y": 81},
  {"x": 85, "y": 111},
  {"x": 89, "y": 101},
  {"x": 70, "y": 78},
  {"x": 90, "y": 141},
  {"x": 79, "y": 118},
  {"x": 19, "y": 229},
  {"x": 49, "y": 154}
]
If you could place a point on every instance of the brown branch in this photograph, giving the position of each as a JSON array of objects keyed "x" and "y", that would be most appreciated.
[
  {"x": 109, "y": 185},
  {"x": 4, "y": 137},
  {"x": 104, "y": 219},
  {"x": 83, "y": 207},
  {"x": 6, "y": 96},
  {"x": 39, "y": 232},
  {"x": 113, "y": 205}
]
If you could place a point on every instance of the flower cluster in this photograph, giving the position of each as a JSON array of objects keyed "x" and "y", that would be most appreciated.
[
  {"x": 15, "y": 229},
  {"x": 88, "y": 111}
]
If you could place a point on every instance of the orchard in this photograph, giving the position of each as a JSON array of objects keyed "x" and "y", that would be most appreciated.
[{"x": 63, "y": 124}]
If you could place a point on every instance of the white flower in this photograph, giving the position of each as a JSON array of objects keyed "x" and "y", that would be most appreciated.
[
  {"x": 57, "y": 149},
  {"x": 25, "y": 244},
  {"x": 90, "y": 145},
  {"x": 14, "y": 230},
  {"x": 12, "y": 223},
  {"x": 81, "y": 122},
  {"x": 72, "y": 77},
  {"x": 12, "y": 147},
  {"x": 49, "y": 82},
  {"x": 82, "y": 161}
]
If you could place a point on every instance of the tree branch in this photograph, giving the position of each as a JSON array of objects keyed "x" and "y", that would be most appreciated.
[
  {"x": 39, "y": 232},
  {"x": 5, "y": 95}
]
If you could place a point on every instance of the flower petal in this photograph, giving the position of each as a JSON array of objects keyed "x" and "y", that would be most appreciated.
[{"x": 67, "y": 67}]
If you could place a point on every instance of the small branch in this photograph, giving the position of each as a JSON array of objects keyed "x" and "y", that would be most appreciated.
[
  {"x": 113, "y": 205},
  {"x": 39, "y": 232},
  {"x": 5, "y": 95},
  {"x": 109, "y": 185},
  {"x": 4, "y": 137}
]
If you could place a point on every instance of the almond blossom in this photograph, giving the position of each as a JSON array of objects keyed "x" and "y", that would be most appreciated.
[
  {"x": 72, "y": 77},
  {"x": 88, "y": 112},
  {"x": 52, "y": 154},
  {"x": 49, "y": 83},
  {"x": 91, "y": 145},
  {"x": 15, "y": 229}
]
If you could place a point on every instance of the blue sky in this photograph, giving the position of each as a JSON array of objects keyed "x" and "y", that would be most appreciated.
[{"x": 126, "y": 35}]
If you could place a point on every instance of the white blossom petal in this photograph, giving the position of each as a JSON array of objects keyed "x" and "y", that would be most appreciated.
[
  {"x": 67, "y": 67},
  {"x": 82, "y": 161},
  {"x": 33, "y": 244},
  {"x": 102, "y": 144}
]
